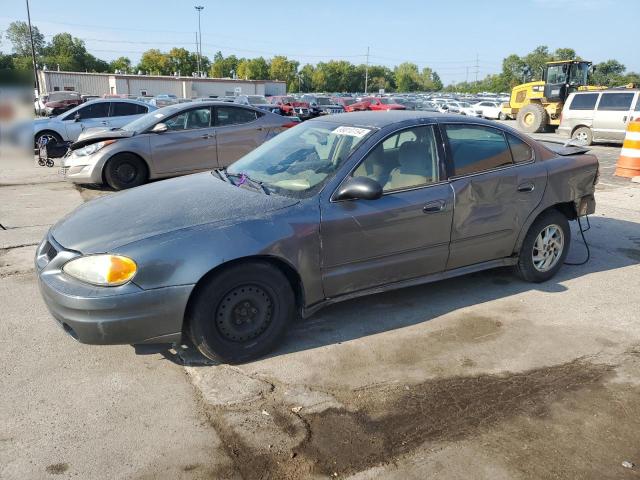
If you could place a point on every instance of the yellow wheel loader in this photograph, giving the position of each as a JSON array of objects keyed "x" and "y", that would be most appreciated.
[{"x": 538, "y": 105}]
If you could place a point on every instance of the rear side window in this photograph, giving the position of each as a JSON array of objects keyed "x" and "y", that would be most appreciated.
[
  {"x": 638, "y": 104},
  {"x": 616, "y": 102},
  {"x": 122, "y": 109},
  {"x": 234, "y": 116},
  {"x": 585, "y": 101},
  {"x": 520, "y": 151},
  {"x": 476, "y": 148}
]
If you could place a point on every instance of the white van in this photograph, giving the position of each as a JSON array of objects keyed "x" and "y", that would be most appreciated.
[{"x": 599, "y": 116}]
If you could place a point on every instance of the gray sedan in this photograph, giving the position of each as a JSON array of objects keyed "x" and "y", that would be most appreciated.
[
  {"x": 334, "y": 208},
  {"x": 171, "y": 141}
]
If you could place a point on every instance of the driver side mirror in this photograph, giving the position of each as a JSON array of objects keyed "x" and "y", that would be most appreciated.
[
  {"x": 76, "y": 117},
  {"x": 159, "y": 128},
  {"x": 360, "y": 188}
]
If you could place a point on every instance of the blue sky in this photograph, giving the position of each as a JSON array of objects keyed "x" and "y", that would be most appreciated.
[{"x": 445, "y": 35}]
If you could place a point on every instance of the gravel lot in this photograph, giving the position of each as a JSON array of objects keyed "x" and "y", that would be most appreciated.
[{"x": 484, "y": 374}]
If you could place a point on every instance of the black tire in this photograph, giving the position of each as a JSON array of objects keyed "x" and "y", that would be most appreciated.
[
  {"x": 46, "y": 133},
  {"x": 526, "y": 268},
  {"x": 584, "y": 134},
  {"x": 533, "y": 118},
  {"x": 241, "y": 313},
  {"x": 502, "y": 116},
  {"x": 125, "y": 170}
]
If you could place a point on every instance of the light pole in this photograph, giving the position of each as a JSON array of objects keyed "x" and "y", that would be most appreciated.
[
  {"x": 33, "y": 52},
  {"x": 199, "y": 8}
]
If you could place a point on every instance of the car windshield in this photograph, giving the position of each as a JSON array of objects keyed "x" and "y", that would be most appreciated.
[
  {"x": 287, "y": 99},
  {"x": 324, "y": 101},
  {"x": 386, "y": 101},
  {"x": 299, "y": 161},
  {"x": 348, "y": 101},
  {"x": 257, "y": 100},
  {"x": 465, "y": 104},
  {"x": 150, "y": 119},
  {"x": 579, "y": 73}
]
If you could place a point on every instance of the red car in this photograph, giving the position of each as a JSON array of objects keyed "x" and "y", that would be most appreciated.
[
  {"x": 374, "y": 103},
  {"x": 344, "y": 101},
  {"x": 289, "y": 106}
]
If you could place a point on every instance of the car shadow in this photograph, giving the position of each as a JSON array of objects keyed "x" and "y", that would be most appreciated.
[{"x": 613, "y": 244}]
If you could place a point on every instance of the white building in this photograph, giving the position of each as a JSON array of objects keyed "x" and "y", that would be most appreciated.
[{"x": 183, "y": 87}]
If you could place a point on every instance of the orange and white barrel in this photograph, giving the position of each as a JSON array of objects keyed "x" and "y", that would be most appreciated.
[{"x": 629, "y": 161}]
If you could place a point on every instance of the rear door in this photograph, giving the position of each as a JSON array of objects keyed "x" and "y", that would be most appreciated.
[
  {"x": 188, "y": 145},
  {"x": 122, "y": 113},
  {"x": 497, "y": 184},
  {"x": 238, "y": 130},
  {"x": 612, "y": 115}
]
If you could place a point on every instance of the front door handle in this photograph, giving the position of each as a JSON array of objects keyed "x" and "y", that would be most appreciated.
[
  {"x": 434, "y": 207},
  {"x": 624, "y": 119},
  {"x": 526, "y": 187},
  {"x": 207, "y": 135}
]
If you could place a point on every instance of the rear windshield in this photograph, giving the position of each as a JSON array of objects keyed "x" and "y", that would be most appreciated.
[{"x": 586, "y": 101}]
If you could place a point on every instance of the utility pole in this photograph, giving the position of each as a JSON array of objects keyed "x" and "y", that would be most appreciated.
[
  {"x": 477, "y": 67},
  {"x": 466, "y": 78},
  {"x": 199, "y": 8},
  {"x": 33, "y": 52},
  {"x": 198, "y": 57},
  {"x": 366, "y": 73}
]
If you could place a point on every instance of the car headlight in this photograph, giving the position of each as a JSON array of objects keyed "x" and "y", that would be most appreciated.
[
  {"x": 104, "y": 270},
  {"x": 93, "y": 148}
]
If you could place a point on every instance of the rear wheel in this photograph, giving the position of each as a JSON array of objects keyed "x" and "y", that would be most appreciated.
[
  {"x": 125, "y": 170},
  {"x": 533, "y": 118},
  {"x": 502, "y": 116},
  {"x": 545, "y": 247},
  {"x": 241, "y": 313},
  {"x": 584, "y": 135}
]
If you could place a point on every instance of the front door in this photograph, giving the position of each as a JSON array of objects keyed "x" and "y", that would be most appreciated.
[
  {"x": 612, "y": 115},
  {"x": 92, "y": 115},
  {"x": 404, "y": 234},
  {"x": 497, "y": 185},
  {"x": 238, "y": 131},
  {"x": 189, "y": 144}
]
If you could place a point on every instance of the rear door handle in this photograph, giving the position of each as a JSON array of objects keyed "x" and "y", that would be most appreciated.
[
  {"x": 526, "y": 187},
  {"x": 434, "y": 207}
]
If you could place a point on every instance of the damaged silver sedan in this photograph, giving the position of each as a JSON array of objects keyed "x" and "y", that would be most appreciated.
[{"x": 335, "y": 208}]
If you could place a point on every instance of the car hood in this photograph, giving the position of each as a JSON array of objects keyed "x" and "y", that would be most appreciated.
[
  {"x": 93, "y": 135},
  {"x": 107, "y": 223}
]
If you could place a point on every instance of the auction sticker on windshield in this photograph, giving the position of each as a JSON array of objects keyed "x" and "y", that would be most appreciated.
[{"x": 351, "y": 131}]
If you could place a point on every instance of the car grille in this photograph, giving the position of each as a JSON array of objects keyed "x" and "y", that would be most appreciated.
[
  {"x": 303, "y": 111},
  {"x": 333, "y": 110}
]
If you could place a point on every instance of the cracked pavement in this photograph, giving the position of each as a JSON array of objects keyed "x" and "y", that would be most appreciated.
[{"x": 483, "y": 373}]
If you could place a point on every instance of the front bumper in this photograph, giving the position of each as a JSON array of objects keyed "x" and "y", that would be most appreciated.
[
  {"x": 86, "y": 169},
  {"x": 108, "y": 315}
]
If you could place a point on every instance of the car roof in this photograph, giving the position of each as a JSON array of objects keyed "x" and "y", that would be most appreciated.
[{"x": 390, "y": 117}]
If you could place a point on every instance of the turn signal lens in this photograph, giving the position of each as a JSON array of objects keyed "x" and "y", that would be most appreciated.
[{"x": 104, "y": 270}]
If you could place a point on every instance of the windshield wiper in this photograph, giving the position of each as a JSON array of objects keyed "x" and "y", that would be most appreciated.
[
  {"x": 245, "y": 179},
  {"x": 222, "y": 173}
]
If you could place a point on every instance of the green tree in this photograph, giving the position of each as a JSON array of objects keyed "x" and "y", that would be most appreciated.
[
  {"x": 305, "y": 79},
  {"x": 182, "y": 61},
  {"x": 407, "y": 77},
  {"x": 122, "y": 64},
  {"x": 154, "y": 62},
  {"x": 282, "y": 68},
  {"x": 535, "y": 62},
  {"x": 608, "y": 73},
  {"x": 18, "y": 34},
  {"x": 565, "y": 54}
]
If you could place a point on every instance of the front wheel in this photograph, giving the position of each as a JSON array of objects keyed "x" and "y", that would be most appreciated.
[
  {"x": 125, "y": 170},
  {"x": 545, "y": 247},
  {"x": 583, "y": 135},
  {"x": 241, "y": 313}
]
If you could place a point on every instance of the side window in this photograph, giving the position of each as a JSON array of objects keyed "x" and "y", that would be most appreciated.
[
  {"x": 616, "y": 102},
  {"x": 476, "y": 148},
  {"x": 234, "y": 116},
  {"x": 638, "y": 103},
  {"x": 94, "y": 110},
  {"x": 190, "y": 120},
  {"x": 122, "y": 109},
  {"x": 585, "y": 101},
  {"x": 413, "y": 163},
  {"x": 520, "y": 151}
]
